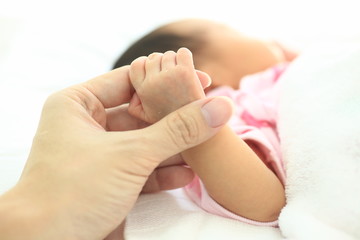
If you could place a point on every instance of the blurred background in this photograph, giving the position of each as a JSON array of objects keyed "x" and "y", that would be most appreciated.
[
  {"x": 47, "y": 45},
  {"x": 93, "y": 33}
]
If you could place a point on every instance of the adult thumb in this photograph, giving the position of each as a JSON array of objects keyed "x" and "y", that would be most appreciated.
[{"x": 189, "y": 126}]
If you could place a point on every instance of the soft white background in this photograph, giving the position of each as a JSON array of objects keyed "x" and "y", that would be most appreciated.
[{"x": 48, "y": 45}]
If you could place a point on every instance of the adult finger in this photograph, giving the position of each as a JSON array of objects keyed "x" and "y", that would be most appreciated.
[
  {"x": 187, "y": 127},
  {"x": 173, "y": 160},
  {"x": 119, "y": 119},
  {"x": 167, "y": 178},
  {"x": 117, "y": 233},
  {"x": 112, "y": 88}
]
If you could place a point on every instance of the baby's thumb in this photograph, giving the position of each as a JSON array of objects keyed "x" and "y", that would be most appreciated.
[{"x": 189, "y": 126}]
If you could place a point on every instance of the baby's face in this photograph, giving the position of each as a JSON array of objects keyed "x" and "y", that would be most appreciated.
[
  {"x": 236, "y": 55},
  {"x": 231, "y": 55}
]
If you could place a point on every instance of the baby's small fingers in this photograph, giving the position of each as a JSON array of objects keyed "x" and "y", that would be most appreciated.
[
  {"x": 137, "y": 72},
  {"x": 204, "y": 78},
  {"x": 184, "y": 57},
  {"x": 153, "y": 63},
  {"x": 168, "y": 60}
]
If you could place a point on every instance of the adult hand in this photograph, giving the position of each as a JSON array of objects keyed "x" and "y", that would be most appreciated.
[
  {"x": 170, "y": 174},
  {"x": 83, "y": 176}
]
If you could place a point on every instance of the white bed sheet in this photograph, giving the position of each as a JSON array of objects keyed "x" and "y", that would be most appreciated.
[{"x": 172, "y": 215}]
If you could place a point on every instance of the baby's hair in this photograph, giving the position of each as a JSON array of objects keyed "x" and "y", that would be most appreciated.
[{"x": 161, "y": 41}]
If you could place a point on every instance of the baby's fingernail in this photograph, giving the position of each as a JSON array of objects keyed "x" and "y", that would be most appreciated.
[{"x": 217, "y": 111}]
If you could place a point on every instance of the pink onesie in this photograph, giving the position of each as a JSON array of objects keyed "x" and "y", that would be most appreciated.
[{"x": 254, "y": 119}]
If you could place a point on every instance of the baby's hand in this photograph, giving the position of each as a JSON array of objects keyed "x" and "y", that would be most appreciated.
[{"x": 164, "y": 83}]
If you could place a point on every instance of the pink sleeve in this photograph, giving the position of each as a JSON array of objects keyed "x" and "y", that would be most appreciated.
[
  {"x": 197, "y": 192},
  {"x": 254, "y": 120}
]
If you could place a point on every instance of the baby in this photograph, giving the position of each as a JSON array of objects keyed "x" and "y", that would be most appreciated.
[
  {"x": 222, "y": 52},
  {"x": 240, "y": 173}
]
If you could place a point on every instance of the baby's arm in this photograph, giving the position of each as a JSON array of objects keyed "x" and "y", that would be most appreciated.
[
  {"x": 236, "y": 178},
  {"x": 232, "y": 173}
]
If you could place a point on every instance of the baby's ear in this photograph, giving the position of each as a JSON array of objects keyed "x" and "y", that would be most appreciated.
[
  {"x": 289, "y": 53},
  {"x": 204, "y": 78}
]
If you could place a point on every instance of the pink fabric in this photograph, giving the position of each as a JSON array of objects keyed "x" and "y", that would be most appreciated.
[{"x": 255, "y": 118}]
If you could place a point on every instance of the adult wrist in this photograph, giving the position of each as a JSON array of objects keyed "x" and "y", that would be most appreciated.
[{"x": 21, "y": 217}]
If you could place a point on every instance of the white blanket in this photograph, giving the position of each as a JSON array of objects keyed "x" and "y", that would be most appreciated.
[{"x": 320, "y": 132}]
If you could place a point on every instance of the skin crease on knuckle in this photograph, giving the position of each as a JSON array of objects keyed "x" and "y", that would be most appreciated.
[
  {"x": 183, "y": 129},
  {"x": 85, "y": 97}
]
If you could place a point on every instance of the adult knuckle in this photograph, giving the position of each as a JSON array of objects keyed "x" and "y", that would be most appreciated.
[{"x": 183, "y": 129}]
